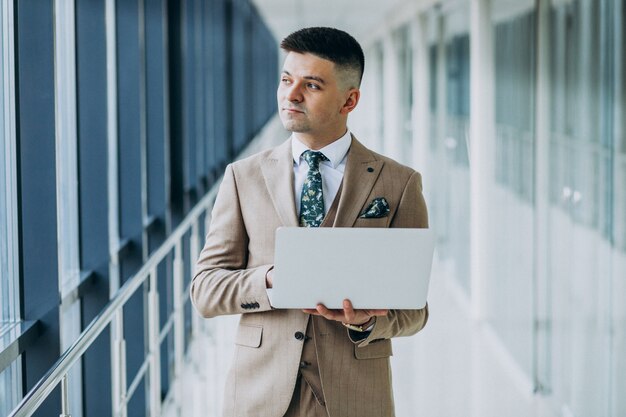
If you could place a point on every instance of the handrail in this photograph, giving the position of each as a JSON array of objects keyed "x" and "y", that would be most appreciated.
[{"x": 69, "y": 358}]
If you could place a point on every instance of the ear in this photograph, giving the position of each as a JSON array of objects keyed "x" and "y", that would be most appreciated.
[{"x": 352, "y": 99}]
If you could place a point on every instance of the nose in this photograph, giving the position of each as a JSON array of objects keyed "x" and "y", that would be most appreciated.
[{"x": 293, "y": 93}]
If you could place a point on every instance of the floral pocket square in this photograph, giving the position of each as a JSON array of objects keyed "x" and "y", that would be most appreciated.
[{"x": 377, "y": 208}]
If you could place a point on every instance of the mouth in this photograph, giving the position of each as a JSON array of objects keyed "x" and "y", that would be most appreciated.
[{"x": 292, "y": 111}]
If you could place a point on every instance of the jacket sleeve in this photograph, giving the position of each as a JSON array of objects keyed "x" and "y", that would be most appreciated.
[
  {"x": 222, "y": 283},
  {"x": 411, "y": 213}
]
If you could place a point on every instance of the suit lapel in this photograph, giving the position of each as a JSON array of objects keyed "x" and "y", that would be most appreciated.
[
  {"x": 358, "y": 182},
  {"x": 277, "y": 171}
]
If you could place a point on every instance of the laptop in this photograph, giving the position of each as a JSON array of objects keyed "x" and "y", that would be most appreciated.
[{"x": 373, "y": 267}]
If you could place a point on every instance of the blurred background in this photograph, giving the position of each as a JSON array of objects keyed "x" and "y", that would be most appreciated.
[{"x": 118, "y": 118}]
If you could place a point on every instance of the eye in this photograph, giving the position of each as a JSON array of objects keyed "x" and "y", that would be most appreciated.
[
  {"x": 313, "y": 86},
  {"x": 285, "y": 80}
]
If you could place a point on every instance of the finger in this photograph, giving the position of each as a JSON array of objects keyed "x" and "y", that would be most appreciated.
[
  {"x": 329, "y": 314},
  {"x": 348, "y": 311},
  {"x": 310, "y": 311},
  {"x": 379, "y": 312}
]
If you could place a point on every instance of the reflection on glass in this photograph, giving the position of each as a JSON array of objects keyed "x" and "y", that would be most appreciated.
[
  {"x": 510, "y": 295},
  {"x": 405, "y": 64},
  {"x": 618, "y": 347},
  {"x": 581, "y": 192}
]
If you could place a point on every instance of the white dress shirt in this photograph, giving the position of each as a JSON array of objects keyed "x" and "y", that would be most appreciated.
[{"x": 331, "y": 170}]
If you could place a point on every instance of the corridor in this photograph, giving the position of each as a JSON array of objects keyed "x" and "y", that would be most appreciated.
[{"x": 118, "y": 119}]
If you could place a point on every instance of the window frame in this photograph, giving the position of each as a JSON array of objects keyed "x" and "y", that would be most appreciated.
[
  {"x": 10, "y": 312},
  {"x": 8, "y": 157}
]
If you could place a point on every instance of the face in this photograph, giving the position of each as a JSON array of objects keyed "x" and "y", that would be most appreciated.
[{"x": 311, "y": 101}]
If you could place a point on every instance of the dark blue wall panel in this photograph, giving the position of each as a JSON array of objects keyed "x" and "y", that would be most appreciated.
[
  {"x": 176, "y": 110},
  {"x": 190, "y": 81},
  {"x": 156, "y": 106},
  {"x": 37, "y": 185},
  {"x": 92, "y": 134},
  {"x": 129, "y": 119}
]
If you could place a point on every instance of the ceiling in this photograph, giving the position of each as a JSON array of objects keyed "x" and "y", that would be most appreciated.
[{"x": 357, "y": 17}]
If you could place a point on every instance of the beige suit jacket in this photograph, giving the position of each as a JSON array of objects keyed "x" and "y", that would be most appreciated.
[{"x": 255, "y": 198}]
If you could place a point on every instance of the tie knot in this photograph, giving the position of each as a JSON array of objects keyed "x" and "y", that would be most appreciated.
[{"x": 313, "y": 158}]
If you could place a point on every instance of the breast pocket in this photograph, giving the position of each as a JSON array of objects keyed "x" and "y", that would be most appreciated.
[
  {"x": 372, "y": 222},
  {"x": 376, "y": 349},
  {"x": 249, "y": 335}
]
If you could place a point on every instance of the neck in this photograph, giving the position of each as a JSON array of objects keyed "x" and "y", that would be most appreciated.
[{"x": 317, "y": 142}]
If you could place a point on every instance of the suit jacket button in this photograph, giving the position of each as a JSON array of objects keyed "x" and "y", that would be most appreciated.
[
  {"x": 304, "y": 364},
  {"x": 299, "y": 335}
]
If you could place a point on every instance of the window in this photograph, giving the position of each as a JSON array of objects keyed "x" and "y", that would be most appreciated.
[
  {"x": 515, "y": 86},
  {"x": 580, "y": 97},
  {"x": 619, "y": 235},
  {"x": 10, "y": 377},
  {"x": 405, "y": 66},
  {"x": 9, "y": 300},
  {"x": 457, "y": 99},
  {"x": 36, "y": 178},
  {"x": 582, "y": 216},
  {"x": 432, "y": 101},
  {"x": 111, "y": 129}
]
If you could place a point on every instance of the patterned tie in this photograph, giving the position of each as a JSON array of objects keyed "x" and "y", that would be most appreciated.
[{"x": 312, "y": 199}]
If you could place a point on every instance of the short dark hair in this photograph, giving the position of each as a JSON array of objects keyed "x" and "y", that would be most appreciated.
[{"x": 328, "y": 43}]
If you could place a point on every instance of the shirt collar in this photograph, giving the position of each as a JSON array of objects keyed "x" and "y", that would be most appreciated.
[{"x": 335, "y": 152}]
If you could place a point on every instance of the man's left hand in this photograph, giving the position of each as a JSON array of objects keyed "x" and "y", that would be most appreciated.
[{"x": 347, "y": 315}]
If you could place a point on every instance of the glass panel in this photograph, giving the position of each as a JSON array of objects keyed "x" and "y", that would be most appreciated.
[
  {"x": 618, "y": 403},
  {"x": 10, "y": 377},
  {"x": 438, "y": 206},
  {"x": 9, "y": 388},
  {"x": 514, "y": 61},
  {"x": 378, "y": 62},
  {"x": 509, "y": 300},
  {"x": 455, "y": 145},
  {"x": 449, "y": 130},
  {"x": 9, "y": 294},
  {"x": 581, "y": 194},
  {"x": 405, "y": 65},
  {"x": 5, "y": 310},
  {"x": 457, "y": 100},
  {"x": 432, "y": 53}
]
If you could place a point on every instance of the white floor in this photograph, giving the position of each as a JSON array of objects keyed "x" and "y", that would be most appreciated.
[{"x": 456, "y": 368}]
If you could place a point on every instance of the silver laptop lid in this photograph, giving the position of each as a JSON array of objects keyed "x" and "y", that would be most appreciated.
[{"x": 373, "y": 267}]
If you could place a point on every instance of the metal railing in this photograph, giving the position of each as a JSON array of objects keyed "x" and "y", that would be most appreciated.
[{"x": 112, "y": 315}]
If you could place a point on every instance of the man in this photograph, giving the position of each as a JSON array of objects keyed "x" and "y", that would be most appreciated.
[{"x": 316, "y": 362}]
